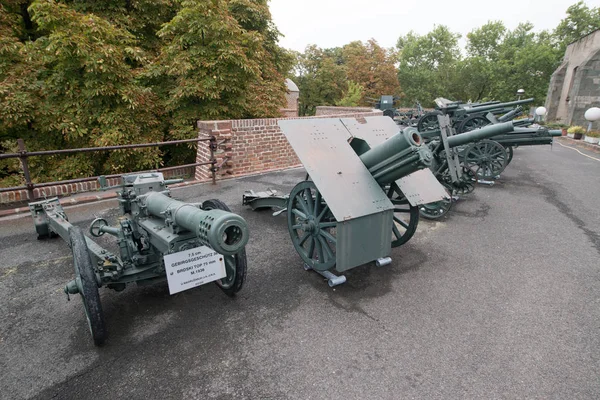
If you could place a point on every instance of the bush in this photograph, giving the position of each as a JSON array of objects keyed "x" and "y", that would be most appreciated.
[
  {"x": 556, "y": 125},
  {"x": 576, "y": 130},
  {"x": 595, "y": 134}
]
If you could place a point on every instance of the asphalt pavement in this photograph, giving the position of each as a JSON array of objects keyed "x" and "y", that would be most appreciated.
[{"x": 500, "y": 299}]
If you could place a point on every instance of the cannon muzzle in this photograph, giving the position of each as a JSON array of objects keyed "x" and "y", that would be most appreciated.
[
  {"x": 555, "y": 132},
  {"x": 399, "y": 156},
  {"x": 480, "y": 134},
  {"x": 223, "y": 231}
]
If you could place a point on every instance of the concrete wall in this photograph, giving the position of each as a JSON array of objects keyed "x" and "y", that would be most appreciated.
[
  {"x": 575, "y": 85},
  {"x": 257, "y": 145}
]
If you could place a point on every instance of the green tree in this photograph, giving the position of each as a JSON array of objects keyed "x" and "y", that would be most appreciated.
[
  {"x": 526, "y": 60},
  {"x": 427, "y": 65},
  {"x": 353, "y": 95},
  {"x": 75, "y": 87},
  {"x": 371, "y": 67},
  {"x": 580, "y": 21},
  {"x": 322, "y": 82}
]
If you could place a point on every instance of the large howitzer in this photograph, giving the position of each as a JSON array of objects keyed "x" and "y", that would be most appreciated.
[
  {"x": 158, "y": 238},
  {"x": 465, "y": 117},
  {"x": 363, "y": 194}
]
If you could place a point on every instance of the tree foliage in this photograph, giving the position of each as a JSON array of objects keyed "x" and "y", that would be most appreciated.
[
  {"x": 353, "y": 74},
  {"x": 427, "y": 65},
  {"x": 580, "y": 21},
  {"x": 85, "y": 73},
  {"x": 352, "y": 96}
]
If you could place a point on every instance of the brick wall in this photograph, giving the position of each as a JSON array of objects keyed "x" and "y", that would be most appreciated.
[{"x": 258, "y": 145}]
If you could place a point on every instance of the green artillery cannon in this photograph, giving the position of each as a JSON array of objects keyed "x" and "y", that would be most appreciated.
[
  {"x": 363, "y": 195},
  {"x": 466, "y": 117},
  {"x": 484, "y": 157},
  {"x": 448, "y": 163},
  {"x": 158, "y": 238}
]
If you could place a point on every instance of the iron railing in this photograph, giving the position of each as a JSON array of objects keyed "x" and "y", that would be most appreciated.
[{"x": 23, "y": 155}]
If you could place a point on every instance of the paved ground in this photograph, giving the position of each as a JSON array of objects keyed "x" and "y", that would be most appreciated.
[{"x": 499, "y": 300}]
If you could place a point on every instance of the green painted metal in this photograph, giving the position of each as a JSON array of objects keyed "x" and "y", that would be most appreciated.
[
  {"x": 465, "y": 117},
  {"x": 480, "y": 134},
  {"x": 329, "y": 224},
  {"x": 397, "y": 157},
  {"x": 487, "y": 158},
  {"x": 225, "y": 232},
  {"x": 153, "y": 225},
  {"x": 527, "y": 137}
]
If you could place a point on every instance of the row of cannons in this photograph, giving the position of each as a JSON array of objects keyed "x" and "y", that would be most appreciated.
[
  {"x": 464, "y": 117},
  {"x": 367, "y": 183}
]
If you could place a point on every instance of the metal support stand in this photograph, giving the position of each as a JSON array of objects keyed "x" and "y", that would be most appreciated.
[
  {"x": 382, "y": 262},
  {"x": 489, "y": 183},
  {"x": 332, "y": 279}
]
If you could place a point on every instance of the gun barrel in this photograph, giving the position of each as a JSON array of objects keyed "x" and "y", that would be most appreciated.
[
  {"x": 223, "y": 231},
  {"x": 476, "y": 108},
  {"x": 555, "y": 132},
  {"x": 399, "y": 156},
  {"x": 524, "y": 122},
  {"x": 511, "y": 114},
  {"x": 480, "y": 134}
]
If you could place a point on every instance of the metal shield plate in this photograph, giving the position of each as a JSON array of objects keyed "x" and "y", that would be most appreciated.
[{"x": 341, "y": 177}]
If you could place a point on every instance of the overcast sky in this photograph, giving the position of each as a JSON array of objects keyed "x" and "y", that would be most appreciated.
[{"x": 331, "y": 23}]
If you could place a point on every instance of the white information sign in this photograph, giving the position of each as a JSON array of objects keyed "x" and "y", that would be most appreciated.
[{"x": 194, "y": 267}]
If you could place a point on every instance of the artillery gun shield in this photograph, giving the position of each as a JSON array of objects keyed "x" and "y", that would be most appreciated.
[{"x": 319, "y": 141}]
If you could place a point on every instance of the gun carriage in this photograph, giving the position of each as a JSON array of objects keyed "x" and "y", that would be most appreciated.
[
  {"x": 448, "y": 161},
  {"x": 466, "y": 117},
  {"x": 363, "y": 195},
  {"x": 206, "y": 240}
]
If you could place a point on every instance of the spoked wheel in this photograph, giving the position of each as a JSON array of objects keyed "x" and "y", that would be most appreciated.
[
  {"x": 429, "y": 122},
  {"x": 487, "y": 158},
  {"x": 312, "y": 227},
  {"x": 509, "y": 154},
  {"x": 465, "y": 185},
  {"x": 439, "y": 208},
  {"x": 235, "y": 265},
  {"x": 472, "y": 123},
  {"x": 85, "y": 278},
  {"x": 406, "y": 217}
]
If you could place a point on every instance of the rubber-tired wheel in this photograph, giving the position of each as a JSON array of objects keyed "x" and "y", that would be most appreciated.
[
  {"x": 85, "y": 277},
  {"x": 235, "y": 265},
  {"x": 487, "y": 158},
  {"x": 406, "y": 216},
  {"x": 472, "y": 123},
  {"x": 429, "y": 121},
  {"x": 437, "y": 209},
  {"x": 312, "y": 227}
]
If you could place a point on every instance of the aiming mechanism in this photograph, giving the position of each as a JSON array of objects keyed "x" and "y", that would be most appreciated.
[
  {"x": 153, "y": 226},
  {"x": 363, "y": 195}
]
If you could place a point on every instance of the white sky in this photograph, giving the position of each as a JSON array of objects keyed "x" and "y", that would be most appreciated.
[{"x": 331, "y": 23}]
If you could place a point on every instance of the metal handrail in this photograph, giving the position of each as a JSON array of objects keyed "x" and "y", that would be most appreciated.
[{"x": 23, "y": 154}]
